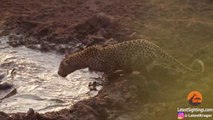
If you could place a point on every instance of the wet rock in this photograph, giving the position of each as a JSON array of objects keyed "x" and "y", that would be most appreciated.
[
  {"x": 93, "y": 85},
  {"x": 4, "y": 86},
  {"x": 44, "y": 46},
  {"x": 7, "y": 93},
  {"x": 3, "y": 116},
  {"x": 2, "y": 76},
  {"x": 3, "y": 33},
  {"x": 15, "y": 40},
  {"x": 34, "y": 46},
  {"x": 30, "y": 112},
  {"x": 62, "y": 48}
]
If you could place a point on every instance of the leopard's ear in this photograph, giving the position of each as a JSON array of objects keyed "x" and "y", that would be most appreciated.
[{"x": 65, "y": 62}]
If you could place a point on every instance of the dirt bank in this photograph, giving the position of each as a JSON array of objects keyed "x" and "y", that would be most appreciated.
[
  {"x": 51, "y": 23},
  {"x": 174, "y": 25}
]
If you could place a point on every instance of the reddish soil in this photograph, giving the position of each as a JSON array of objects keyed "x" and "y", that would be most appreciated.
[
  {"x": 64, "y": 25},
  {"x": 53, "y": 22}
]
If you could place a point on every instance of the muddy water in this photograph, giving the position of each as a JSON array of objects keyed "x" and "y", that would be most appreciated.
[{"x": 38, "y": 85}]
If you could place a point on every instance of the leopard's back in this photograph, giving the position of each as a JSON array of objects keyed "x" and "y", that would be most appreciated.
[{"x": 139, "y": 53}]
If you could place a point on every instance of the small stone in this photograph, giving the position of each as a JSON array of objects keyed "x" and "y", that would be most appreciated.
[
  {"x": 30, "y": 112},
  {"x": 2, "y": 76},
  {"x": 5, "y": 85}
]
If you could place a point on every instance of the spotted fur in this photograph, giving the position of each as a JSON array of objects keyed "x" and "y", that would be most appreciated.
[{"x": 129, "y": 55}]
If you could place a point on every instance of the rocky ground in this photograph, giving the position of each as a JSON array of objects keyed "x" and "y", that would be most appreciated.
[{"x": 183, "y": 28}]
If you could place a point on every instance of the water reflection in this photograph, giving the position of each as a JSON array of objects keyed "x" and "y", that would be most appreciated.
[{"x": 34, "y": 75}]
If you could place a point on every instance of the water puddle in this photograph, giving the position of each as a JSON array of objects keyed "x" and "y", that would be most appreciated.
[{"x": 34, "y": 75}]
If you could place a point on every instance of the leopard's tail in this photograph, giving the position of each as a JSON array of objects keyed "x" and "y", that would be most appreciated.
[{"x": 197, "y": 65}]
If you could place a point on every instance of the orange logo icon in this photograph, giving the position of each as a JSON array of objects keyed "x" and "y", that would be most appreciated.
[{"x": 195, "y": 98}]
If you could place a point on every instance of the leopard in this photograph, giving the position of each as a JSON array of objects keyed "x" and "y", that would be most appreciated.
[{"x": 133, "y": 55}]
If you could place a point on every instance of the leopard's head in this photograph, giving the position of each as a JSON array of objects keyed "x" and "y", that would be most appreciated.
[
  {"x": 64, "y": 69},
  {"x": 70, "y": 65},
  {"x": 77, "y": 61}
]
